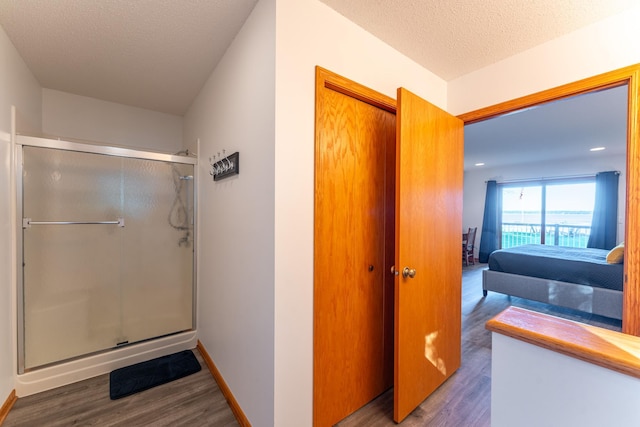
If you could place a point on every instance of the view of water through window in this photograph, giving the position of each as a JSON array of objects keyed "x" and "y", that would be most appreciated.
[{"x": 563, "y": 210}]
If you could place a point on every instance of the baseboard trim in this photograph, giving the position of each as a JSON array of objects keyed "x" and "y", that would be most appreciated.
[
  {"x": 226, "y": 391},
  {"x": 7, "y": 405}
]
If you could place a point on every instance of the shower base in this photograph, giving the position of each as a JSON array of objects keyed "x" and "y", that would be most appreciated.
[{"x": 50, "y": 377}]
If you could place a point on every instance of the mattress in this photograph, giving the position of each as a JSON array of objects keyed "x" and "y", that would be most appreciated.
[{"x": 585, "y": 266}]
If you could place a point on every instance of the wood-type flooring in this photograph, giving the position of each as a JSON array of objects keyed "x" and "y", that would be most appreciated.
[
  {"x": 465, "y": 399},
  {"x": 196, "y": 400}
]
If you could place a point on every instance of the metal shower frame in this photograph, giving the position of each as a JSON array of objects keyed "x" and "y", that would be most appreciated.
[{"x": 59, "y": 144}]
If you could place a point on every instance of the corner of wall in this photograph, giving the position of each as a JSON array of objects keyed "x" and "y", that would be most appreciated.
[{"x": 20, "y": 101}]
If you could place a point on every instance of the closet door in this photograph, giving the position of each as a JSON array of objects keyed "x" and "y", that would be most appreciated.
[
  {"x": 355, "y": 151},
  {"x": 429, "y": 170},
  {"x": 398, "y": 205}
]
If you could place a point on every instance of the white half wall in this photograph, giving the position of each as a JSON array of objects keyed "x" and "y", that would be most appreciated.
[
  {"x": 235, "y": 112},
  {"x": 308, "y": 34},
  {"x": 18, "y": 87},
  {"x": 475, "y": 187},
  {"x": 532, "y": 386},
  {"x": 603, "y": 46},
  {"x": 89, "y": 119}
]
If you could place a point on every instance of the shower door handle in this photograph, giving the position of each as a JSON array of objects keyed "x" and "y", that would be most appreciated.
[{"x": 27, "y": 222}]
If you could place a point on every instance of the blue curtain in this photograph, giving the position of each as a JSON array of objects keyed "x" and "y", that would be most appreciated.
[
  {"x": 604, "y": 225},
  {"x": 489, "y": 238}
]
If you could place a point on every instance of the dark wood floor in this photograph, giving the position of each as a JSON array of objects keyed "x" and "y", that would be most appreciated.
[
  {"x": 465, "y": 399},
  {"x": 196, "y": 400}
]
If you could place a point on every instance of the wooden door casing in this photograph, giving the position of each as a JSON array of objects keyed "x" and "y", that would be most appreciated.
[
  {"x": 630, "y": 76},
  {"x": 353, "y": 247}
]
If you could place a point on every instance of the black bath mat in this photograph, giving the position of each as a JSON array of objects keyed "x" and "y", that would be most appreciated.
[{"x": 145, "y": 375}]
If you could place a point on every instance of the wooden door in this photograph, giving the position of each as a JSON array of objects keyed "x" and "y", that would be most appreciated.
[
  {"x": 429, "y": 165},
  {"x": 353, "y": 250}
]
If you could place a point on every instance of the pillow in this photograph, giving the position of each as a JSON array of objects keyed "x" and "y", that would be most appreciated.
[{"x": 616, "y": 255}]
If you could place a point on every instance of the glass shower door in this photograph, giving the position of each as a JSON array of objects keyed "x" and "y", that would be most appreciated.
[
  {"x": 158, "y": 248},
  {"x": 108, "y": 252},
  {"x": 71, "y": 271}
]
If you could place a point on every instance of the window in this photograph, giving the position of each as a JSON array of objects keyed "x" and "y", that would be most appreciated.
[{"x": 553, "y": 212}]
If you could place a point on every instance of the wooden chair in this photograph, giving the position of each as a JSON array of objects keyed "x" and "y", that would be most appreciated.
[{"x": 468, "y": 247}]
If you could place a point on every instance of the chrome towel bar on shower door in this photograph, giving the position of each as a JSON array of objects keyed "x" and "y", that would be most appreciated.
[{"x": 27, "y": 222}]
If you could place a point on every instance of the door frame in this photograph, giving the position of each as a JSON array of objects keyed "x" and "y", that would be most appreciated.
[
  {"x": 326, "y": 79},
  {"x": 629, "y": 75}
]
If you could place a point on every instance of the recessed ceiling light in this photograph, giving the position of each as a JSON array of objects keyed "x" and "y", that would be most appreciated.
[
  {"x": 479, "y": 164},
  {"x": 597, "y": 149}
]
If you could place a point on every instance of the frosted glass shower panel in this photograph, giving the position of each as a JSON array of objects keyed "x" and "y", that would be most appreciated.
[
  {"x": 71, "y": 272},
  {"x": 91, "y": 284},
  {"x": 158, "y": 248}
]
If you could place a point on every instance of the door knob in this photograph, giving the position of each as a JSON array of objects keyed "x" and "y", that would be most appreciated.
[
  {"x": 394, "y": 271},
  {"x": 408, "y": 272}
]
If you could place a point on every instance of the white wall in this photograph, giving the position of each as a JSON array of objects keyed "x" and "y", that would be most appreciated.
[
  {"x": 475, "y": 186},
  {"x": 235, "y": 112},
  {"x": 18, "y": 87},
  {"x": 309, "y": 33},
  {"x": 90, "y": 119},
  {"x": 601, "y": 47},
  {"x": 532, "y": 386},
  {"x": 604, "y": 46},
  {"x": 256, "y": 257}
]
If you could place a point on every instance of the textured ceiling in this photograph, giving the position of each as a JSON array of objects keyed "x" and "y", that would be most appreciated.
[
  {"x": 560, "y": 130},
  {"x": 454, "y": 37},
  {"x": 155, "y": 54}
]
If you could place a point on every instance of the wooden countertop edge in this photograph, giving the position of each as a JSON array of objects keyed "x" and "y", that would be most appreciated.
[{"x": 609, "y": 349}]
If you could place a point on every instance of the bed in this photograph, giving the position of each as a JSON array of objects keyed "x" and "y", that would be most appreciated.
[{"x": 576, "y": 278}]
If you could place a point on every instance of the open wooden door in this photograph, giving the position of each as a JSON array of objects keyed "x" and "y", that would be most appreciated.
[{"x": 428, "y": 263}]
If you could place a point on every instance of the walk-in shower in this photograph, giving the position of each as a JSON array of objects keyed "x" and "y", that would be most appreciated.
[{"x": 106, "y": 249}]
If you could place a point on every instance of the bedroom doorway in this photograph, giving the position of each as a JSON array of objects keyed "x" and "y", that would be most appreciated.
[
  {"x": 628, "y": 78},
  {"x": 544, "y": 160}
]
